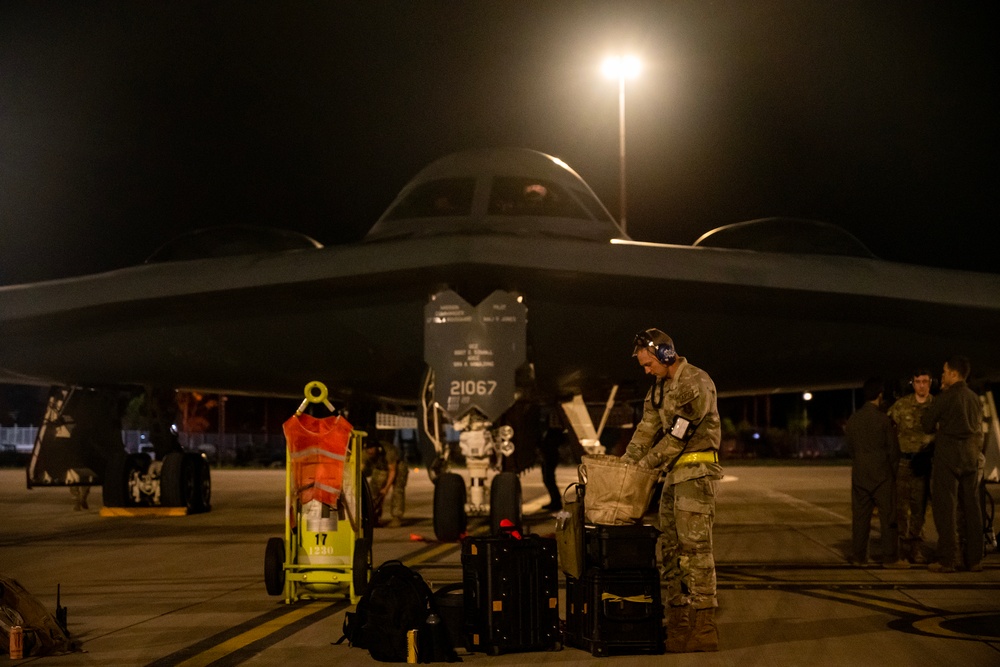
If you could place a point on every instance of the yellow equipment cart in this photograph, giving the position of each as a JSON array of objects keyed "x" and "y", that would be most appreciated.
[{"x": 327, "y": 548}]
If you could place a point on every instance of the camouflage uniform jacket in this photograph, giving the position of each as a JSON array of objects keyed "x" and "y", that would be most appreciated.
[
  {"x": 690, "y": 394},
  {"x": 379, "y": 459},
  {"x": 905, "y": 414}
]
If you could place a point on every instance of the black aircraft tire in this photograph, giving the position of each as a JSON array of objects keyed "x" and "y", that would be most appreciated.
[
  {"x": 361, "y": 571},
  {"x": 176, "y": 482},
  {"x": 274, "y": 566},
  {"x": 367, "y": 513},
  {"x": 505, "y": 501},
  {"x": 200, "y": 474},
  {"x": 114, "y": 484},
  {"x": 449, "y": 507}
]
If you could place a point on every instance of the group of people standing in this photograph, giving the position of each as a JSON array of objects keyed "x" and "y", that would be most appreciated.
[
  {"x": 680, "y": 434},
  {"x": 923, "y": 448}
]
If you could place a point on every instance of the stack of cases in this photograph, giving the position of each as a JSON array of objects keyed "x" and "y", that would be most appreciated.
[
  {"x": 615, "y": 606},
  {"x": 511, "y": 594}
]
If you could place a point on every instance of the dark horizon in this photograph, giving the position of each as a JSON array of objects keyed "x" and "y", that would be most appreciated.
[{"x": 125, "y": 125}]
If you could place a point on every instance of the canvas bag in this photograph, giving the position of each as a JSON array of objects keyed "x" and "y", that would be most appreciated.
[
  {"x": 617, "y": 493},
  {"x": 569, "y": 533}
]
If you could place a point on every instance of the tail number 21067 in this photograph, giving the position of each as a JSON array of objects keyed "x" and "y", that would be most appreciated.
[{"x": 472, "y": 387}]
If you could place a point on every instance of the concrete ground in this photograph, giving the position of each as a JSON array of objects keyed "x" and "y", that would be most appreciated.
[{"x": 190, "y": 590}]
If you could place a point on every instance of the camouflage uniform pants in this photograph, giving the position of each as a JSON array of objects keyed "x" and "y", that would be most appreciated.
[
  {"x": 396, "y": 500},
  {"x": 911, "y": 502},
  {"x": 687, "y": 564}
]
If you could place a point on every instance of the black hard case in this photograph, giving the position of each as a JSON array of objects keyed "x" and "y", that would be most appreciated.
[
  {"x": 620, "y": 547},
  {"x": 615, "y": 612},
  {"x": 511, "y": 594}
]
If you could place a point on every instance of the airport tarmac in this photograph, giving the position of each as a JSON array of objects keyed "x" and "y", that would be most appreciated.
[{"x": 189, "y": 590}]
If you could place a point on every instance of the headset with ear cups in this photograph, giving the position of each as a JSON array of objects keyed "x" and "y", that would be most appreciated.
[{"x": 658, "y": 343}]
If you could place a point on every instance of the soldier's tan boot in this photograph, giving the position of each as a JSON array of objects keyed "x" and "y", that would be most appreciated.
[
  {"x": 704, "y": 632},
  {"x": 679, "y": 628}
]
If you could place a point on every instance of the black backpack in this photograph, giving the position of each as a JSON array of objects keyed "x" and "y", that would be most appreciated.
[{"x": 398, "y": 600}]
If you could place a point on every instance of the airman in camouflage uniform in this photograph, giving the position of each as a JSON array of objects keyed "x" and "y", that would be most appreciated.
[
  {"x": 386, "y": 469},
  {"x": 913, "y": 476},
  {"x": 680, "y": 434}
]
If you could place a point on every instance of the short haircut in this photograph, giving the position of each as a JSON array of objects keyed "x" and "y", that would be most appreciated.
[
  {"x": 872, "y": 388},
  {"x": 960, "y": 364},
  {"x": 922, "y": 371}
]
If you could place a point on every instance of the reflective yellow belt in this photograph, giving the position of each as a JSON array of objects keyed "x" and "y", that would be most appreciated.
[{"x": 698, "y": 457}]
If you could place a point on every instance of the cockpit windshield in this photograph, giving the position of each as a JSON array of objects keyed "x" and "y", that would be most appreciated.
[
  {"x": 532, "y": 196},
  {"x": 435, "y": 199}
]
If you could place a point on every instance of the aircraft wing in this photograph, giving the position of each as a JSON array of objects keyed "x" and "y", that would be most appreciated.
[{"x": 352, "y": 316}]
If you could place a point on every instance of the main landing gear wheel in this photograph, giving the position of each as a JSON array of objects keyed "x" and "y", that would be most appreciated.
[
  {"x": 449, "y": 507},
  {"x": 505, "y": 501},
  {"x": 114, "y": 489},
  {"x": 204, "y": 483},
  {"x": 274, "y": 566}
]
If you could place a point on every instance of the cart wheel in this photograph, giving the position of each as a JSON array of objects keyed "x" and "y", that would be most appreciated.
[
  {"x": 449, "y": 507},
  {"x": 505, "y": 501},
  {"x": 177, "y": 481},
  {"x": 274, "y": 566},
  {"x": 362, "y": 565},
  {"x": 113, "y": 487},
  {"x": 367, "y": 513}
]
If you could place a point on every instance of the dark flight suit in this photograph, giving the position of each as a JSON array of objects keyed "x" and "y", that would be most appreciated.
[
  {"x": 871, "y": 442},
  {"x": 956, "y": 417}
]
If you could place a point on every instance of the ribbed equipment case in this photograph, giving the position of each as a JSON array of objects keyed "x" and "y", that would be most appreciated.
[
  {"x": 615, "y": 612},
  {"x": 620, "y": 547},
  {"x": 511, "y": 594}
]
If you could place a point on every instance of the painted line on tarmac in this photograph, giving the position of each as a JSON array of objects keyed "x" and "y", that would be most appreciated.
[
  {"x": 236, "y": 645},
  {"x": 806, "y": 506},
  {"x": 805, "y": 585},
  {"x": 876, "y": 603}
]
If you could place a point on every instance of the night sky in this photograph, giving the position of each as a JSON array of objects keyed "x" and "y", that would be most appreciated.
[{"x": 124, "y": 124}]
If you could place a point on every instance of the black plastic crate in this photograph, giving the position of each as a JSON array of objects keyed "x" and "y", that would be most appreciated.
[
  {"x": 615, "y": 612},
  {"x": 511, "y": 594},
  {"x": 621, "y": 547}
]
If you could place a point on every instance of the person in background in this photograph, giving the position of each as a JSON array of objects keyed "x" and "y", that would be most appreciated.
[
  {"x": 874, "y": 451},
  {"x": 913, "y": 472},
  {"x": 387, "y": 473},
  {"x": 681, "y": 410},
  {"x": 551, "y": 441},
  {"x": 956, "y": 420}
]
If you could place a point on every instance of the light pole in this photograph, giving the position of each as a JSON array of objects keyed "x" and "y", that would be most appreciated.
[{"x": 621, "y": 67}]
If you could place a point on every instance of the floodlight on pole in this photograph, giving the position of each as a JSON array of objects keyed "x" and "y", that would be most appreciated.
[{"x": 621, "y": 68}]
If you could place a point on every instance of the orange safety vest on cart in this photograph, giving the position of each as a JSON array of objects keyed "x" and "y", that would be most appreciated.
[{"x": 317, "y": 449}]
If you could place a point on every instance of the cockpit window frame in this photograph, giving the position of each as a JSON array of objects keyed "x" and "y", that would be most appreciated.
[{"x": 439, "y": 198}]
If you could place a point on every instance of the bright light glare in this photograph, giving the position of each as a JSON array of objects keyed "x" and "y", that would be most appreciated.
[
  {"x": 625, "y": 67},
  {"x": 807, "y": 396}
]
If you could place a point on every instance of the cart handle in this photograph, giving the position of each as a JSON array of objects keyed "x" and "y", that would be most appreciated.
[{"x": 315, "y": 392}]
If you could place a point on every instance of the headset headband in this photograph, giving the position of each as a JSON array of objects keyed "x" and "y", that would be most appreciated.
[{"x": 659, "y": 344}]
